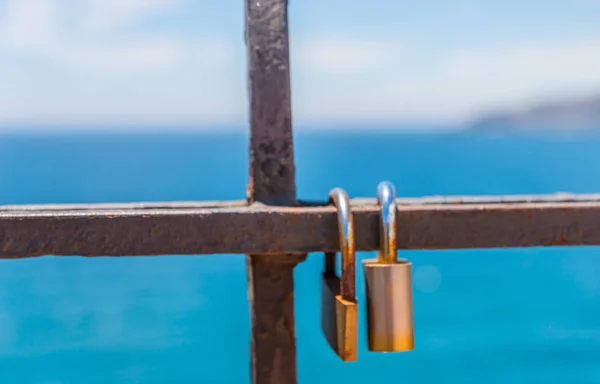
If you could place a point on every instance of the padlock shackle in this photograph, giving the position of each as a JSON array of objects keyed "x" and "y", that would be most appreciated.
[
  {"x": 386, "y": 198},
  {"x": 340, "y": 199}
]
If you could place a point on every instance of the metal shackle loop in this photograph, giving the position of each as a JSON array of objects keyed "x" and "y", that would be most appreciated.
[
  {"x": 340, "y": 199},
  {"x": 386, "y": 199}
]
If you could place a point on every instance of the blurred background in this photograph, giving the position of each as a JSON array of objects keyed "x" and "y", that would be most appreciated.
[{"x": 146, "y": 100}]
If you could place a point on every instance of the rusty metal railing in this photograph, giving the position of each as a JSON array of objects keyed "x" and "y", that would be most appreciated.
[
  {"x": 274, "y": 228},
  {"x": 197, "y": 228}
]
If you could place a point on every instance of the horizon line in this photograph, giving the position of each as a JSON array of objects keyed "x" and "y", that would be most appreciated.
[{"x": 166, "y": 127}]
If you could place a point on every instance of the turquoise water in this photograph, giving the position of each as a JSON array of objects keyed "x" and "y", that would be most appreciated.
[{"x": 493, "y": 316}]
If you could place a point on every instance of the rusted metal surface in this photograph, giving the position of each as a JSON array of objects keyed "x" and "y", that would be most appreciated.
[
  {"x": 272, "y": 171},
  {"x": 273, "y": 337},
  {"x": 347, "y": 282},
  {"x": 233, "y": 228},
  {"x": 272, "y": 181}
]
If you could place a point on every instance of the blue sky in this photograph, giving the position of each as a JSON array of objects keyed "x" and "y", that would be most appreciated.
[{"x": 144, "y": 62}]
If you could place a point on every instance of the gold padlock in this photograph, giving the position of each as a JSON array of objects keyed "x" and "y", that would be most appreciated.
[
  {"x": 339, "y": 308},
  {"x": 388, "y": 285}
]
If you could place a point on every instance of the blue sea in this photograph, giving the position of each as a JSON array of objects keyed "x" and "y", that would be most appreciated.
[{"x": 482, "y": 316}]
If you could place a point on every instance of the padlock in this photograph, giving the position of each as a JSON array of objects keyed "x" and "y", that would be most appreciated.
[
  {"x": 339, "y": 308},
  {"x": 388, "y": 285}
]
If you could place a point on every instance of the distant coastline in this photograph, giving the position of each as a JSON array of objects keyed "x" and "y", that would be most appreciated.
[{"x": 566, "y": 116}]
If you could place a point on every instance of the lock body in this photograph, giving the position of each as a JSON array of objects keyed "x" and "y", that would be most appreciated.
[
  {"x": 389, "y": 306},
  {"x": 339, "y": 319}
]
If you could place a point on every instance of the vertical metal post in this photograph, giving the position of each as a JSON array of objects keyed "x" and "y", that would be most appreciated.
[{"x": 272, "y": 181}]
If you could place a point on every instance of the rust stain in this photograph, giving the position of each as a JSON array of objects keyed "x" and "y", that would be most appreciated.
[{"x": 562, "y": 240}]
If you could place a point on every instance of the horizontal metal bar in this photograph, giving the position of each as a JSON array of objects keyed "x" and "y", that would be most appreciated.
[
  {"x": 562, "y": 197},
  {"x": 236, "y": 228}
]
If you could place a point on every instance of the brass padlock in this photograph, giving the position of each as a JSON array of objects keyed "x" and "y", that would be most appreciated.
[
  {"x": 339, "y": 308},
  {"x": 388, "y": 285}
]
